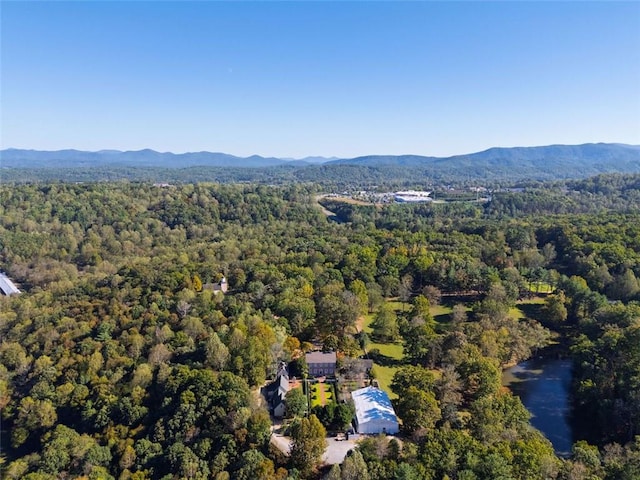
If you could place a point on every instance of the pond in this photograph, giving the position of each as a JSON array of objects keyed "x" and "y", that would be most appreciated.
[{"x": 543, "y": 384}]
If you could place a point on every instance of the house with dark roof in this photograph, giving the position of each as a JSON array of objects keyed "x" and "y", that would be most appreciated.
[
  {"x": 321, "y": 364},
  {"x": 277, "y": 391}
]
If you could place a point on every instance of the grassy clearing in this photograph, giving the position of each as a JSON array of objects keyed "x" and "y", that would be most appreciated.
[
  {"x": 384, "y": 375},
  {"x": 398, "y": 306},
  {"x": 439, "y": 310},
  {"x": 390, "y": 350},
  {"x": 532, "y": 307},
  {"x": 441, "y": 314},
  {"x": 366, "y": 323},
  {"x": 526, "y": 308},
  {"x": 389, "y": 354},
  {"x": 540, "y": 287}
]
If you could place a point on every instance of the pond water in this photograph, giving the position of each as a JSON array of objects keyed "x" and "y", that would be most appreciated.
[{"x": 543, "y": 384}]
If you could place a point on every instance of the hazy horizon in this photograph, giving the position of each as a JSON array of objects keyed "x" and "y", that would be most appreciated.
[{"x": 282, "y": 157}]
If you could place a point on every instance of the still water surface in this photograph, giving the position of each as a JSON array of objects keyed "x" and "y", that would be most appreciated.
[{"x": 543, "y": 384}]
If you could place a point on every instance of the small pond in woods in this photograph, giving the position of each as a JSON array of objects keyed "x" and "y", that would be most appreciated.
[{"x": 543, "y": 384}]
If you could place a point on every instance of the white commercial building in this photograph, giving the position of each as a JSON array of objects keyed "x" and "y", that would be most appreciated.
[
  {"x": 374, "y": 412},
  {"x": 412, "y": 196}
]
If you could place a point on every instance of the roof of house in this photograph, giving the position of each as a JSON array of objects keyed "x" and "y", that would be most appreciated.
[
  {"x": 367, "y": 363},
  {"x": 7, "y": 286},
  {"x": 320, "y": 357},
  {"x": 283, "y": 384},
  {"x": 279, "y": 387},
  {"x": 373, "y": 404}
]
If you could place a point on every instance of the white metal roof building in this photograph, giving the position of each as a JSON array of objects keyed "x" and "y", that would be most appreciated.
[
  {"x": 412, "y": 196},
  {"x": 374, "y": 412},
  {"x": 7, "y": 286}
]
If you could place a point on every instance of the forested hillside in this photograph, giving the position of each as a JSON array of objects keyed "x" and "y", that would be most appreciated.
[
  {"x": 119, "y": 361},
  {"x": 494, "y": 166}
]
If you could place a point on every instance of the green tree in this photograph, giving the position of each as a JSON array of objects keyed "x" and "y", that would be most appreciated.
[
  {"x": 406, "y": 472},
  {"x": 412, "y": 376},
  {"x": 33, "y": 415},
  {"x": 385, "y": 324},
  {"x": 554, "y": 309},
  {"x": 217, "y": 352},
  {"x": 254, "y": 465},
  {"x": 354, "y": 467},
  {"x": 374, "y": 293},
  {"x": 418, "y": 409},
  {"x": 625, "y": 286},
  {"x": 335, "y": 473},
  {"x": 419, "y": 341},
  {"x": 359, "y": 289},
  {"x": 307, "y": 444},
  {"x": 343, "y": 415},
  {"x": 421, "y": 309},
  {"x": 197, "y": 283},
  {"x": 295, "y": 402}
]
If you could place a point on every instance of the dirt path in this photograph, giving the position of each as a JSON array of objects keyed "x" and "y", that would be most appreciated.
[{"x": 328, "y": 213}]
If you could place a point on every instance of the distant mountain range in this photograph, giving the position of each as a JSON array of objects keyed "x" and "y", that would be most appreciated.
[
  {"x": 16, "y": 158},
  {"x": 546, "y": 162}
]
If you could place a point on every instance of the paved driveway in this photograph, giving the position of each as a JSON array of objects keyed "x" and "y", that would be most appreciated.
[
  {"x": 334, "y": 453},
  {"x": 337, "y": 450}
]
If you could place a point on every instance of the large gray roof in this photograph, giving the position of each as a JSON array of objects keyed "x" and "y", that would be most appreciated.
[{"x": 320, "y": 357}]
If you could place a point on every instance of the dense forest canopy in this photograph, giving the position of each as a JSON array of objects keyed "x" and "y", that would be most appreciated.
[{"x": 119, "y": 361}]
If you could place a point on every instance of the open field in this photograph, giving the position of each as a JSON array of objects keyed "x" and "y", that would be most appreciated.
[
  {"x": 531, "y": 307},
  {"x": 388, "y": 355},
  {"x": 441, "y": 314},
  {"x": 393, "y": 351}
]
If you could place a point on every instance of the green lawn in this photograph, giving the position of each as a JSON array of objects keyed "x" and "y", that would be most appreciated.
[
  {"x": 540, "y": 287},
  {"x": 526, "y": 308},
  {"x": 391, "y": 350},
  {"x": 440, "y": 310},
  {"x": 391, "y": 354},
  {"x": 532, "y": 307},
  {"x": 366, "y": 325},
  {"x": 441, "y": 315},
  {"x": 384, "y": 375},
  {"x": 399, "y": 306}
]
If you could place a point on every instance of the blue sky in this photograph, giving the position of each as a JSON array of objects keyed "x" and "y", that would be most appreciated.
[{"x": 293, "y": 79}]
